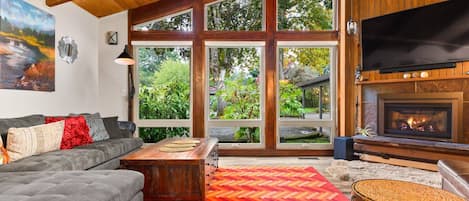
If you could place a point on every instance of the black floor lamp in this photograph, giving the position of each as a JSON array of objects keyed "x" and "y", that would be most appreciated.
[{"x": 125, "y": 59}]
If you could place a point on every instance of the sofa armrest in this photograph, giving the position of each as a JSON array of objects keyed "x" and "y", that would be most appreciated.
[
  {"x": 455, "y": 175},
  {"x": 127, "y": 128}
]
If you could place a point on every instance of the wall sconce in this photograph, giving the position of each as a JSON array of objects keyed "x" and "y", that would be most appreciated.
[{"x": 352, "y": 26}]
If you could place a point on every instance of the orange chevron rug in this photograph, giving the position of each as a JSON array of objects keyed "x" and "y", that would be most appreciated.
[{"x": 271, "y": 184}]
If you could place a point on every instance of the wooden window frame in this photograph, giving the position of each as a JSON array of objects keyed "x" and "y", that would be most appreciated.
[
  {"x": 243, "y": 122},
  {"x": 270, "y": 36},
  {"x": 329, "y": 123},
  {"x": 162, "y": 123}
]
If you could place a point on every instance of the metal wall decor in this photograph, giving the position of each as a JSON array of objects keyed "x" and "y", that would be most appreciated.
[{"x": 68, "y": 50}]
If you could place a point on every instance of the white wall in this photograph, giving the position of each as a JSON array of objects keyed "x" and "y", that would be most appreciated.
[
  {"x": 112, "y": 77},
  {"x": 76, "y": 85}
]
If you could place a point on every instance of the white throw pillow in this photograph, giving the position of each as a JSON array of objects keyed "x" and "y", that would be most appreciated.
[{"x": 24, "y": 142}]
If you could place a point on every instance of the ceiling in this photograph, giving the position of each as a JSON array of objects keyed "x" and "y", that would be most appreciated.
[{"x": 101, "y": 8}]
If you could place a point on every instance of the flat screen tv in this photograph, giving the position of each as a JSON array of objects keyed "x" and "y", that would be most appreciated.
[{"x": 434, "y": 36}]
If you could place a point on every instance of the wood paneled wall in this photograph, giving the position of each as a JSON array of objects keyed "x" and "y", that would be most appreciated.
[
  {"x": 364, "y": 9},
  {"x": 439, "y": 80}
]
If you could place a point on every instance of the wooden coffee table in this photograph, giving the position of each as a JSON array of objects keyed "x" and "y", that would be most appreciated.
[
  {"x": 393, "y": 190},
  {"x": 178, "y": 175}
]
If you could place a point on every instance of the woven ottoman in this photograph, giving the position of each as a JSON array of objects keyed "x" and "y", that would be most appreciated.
[{"x": 105, "y": 185}]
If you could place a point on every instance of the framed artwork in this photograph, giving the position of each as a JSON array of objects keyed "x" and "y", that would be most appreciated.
[{"x": 27, "y": 47}]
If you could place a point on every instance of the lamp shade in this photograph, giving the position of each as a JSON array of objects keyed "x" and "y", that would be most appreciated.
[{"x": 124, "y": 58}]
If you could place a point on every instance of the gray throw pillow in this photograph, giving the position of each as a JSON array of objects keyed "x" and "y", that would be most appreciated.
[
  {"x": 112, "y": 127},
  {"x": 27, "y": 121},
  {"x": 95, "y": 124}
]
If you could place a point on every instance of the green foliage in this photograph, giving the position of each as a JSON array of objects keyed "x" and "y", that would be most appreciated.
[
  {"x": 152, "y": 135},
  {"x": 304, "y": 64},
  {"x": 181, "y": 22},
  {"x": 164, "y": 90},
  {"x": 252, "y": 135},
  {"x": 235, "y": 15},
  {"x": 167, "y": 98},
  {"x": 151, "y": 59},
  {"x": 302, "y": 15},
  {"x": 241, "y": 94},
  {"x": 242, "y": 97},
  {"x": 290, "y": 100}
]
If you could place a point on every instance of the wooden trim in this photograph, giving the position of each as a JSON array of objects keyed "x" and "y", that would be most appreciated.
[
  {"x": 388, "y": 81},
  {"x": 199, "y": 73},
  {"x": 310, "y": 36},
  {"x": 51, "y": 3},
  {"x": 408, "y": 152},
  {"x": 234, "y": 36},
  {"x": 262, "y": 152},
  {"x": 159, "y": 9},
  {"x": 130, "y": 69},
  {"x": 400, "y": 162},
  {"x": 161, "y": 35},
  {"x": 270, "y": 109}
]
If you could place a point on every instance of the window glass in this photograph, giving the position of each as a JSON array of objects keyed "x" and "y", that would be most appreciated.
[
  {"x": 304, "y": 84},
  {"x": 235, "y": 15},
  {"x": 305, "y": 15},
  {"x": 236, "y": 134},
  {"x": 164, "y": 83},
  {"x": 234, "y": 83},
  {"x": 179, "y": 22},
  {"x": 305, "y": 134},
  {"x": 152, "y": 135}
]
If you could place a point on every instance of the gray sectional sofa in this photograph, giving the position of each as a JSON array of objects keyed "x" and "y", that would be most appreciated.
[{"x": 61, "y": 176}]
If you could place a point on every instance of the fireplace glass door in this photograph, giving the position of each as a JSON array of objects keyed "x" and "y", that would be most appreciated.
[{"x": 417, "y": 120}]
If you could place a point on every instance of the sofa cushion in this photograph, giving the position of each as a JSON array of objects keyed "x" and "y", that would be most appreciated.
[
  {"x": 26, "y": 121},
  {"x": 116, "y": 185},
  {"x": 112, "y": 127},
  {"x": 25, "y": 142},
  {"x": 115, "y": 147},
  {"x": 72, "y": 159},
  {"x": 96, "y": 126},
  {"x": 76, "y": 131}
]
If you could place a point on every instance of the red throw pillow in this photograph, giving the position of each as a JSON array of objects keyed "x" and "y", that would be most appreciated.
[{"x": 76, "y": 131}]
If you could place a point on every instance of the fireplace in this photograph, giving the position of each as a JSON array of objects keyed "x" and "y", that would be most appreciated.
[{"x": 429, "y": 116}]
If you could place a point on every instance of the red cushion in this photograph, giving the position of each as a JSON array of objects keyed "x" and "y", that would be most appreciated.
[{"x": 76, "y": 131}]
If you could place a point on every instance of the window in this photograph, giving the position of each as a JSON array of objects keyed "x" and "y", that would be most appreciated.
[
  {"x": 235, "y": 15},
  {"x": 177, "y": 22},
  {"x": 164, "y": 90},
  {"x": 305, "y": 15},
  {"x": 306, "y": 99},
  {"x": 235, "y": 85}
]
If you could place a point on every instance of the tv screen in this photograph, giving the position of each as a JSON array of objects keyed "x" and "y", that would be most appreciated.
[{"x": 436, "y": 35}]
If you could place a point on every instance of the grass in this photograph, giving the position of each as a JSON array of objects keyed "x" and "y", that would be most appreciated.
[
  {"x": 311, "y": 140},
  {"x": 311, "y": 110}
]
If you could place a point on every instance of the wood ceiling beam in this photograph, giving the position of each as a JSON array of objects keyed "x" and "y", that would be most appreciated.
[
  {"x": 159, "y": 9},
  {"x": 51, "y": 3}
]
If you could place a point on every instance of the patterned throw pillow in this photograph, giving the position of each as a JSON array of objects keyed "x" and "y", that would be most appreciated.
[
  {"x": 24, "y": 142},
  {"x": 75, "y": 133}
]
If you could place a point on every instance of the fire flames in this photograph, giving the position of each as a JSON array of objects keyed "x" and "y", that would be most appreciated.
[{"x": 417, "y": 124}]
